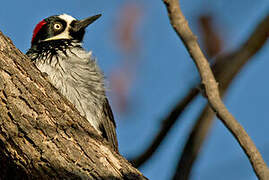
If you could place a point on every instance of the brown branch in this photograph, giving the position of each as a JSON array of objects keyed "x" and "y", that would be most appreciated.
[
  {"x": 181, "y": 27},
  {"x": 225, "y": 69},
  {"x": 42, "y": 136}
]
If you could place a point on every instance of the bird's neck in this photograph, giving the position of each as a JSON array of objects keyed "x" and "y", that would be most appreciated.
[{"x": 51, "y": 48}]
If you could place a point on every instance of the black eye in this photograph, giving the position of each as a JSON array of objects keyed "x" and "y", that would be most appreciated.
[{"x": 57, "y": 26}]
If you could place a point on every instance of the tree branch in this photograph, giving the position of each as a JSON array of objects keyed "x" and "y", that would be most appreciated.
[
  {"x": 225, "y": 69},
  {"x": 181, "y": 27},
  {"x": 42, "y": 136}
]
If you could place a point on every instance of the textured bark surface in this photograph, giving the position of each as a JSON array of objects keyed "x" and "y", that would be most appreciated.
[{"x": 42, "y": 136}]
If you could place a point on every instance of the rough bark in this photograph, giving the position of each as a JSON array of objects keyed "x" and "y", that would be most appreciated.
[{"x": 42, "y": 136}]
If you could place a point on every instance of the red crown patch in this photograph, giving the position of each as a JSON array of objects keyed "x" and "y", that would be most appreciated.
[{"x": 37, "y": 28}]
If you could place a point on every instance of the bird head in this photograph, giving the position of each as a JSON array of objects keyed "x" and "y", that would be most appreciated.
[{"x": 61, "y": 27}]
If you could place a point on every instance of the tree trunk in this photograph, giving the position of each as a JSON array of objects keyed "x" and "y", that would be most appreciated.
[{"x": 42, "y": 135}]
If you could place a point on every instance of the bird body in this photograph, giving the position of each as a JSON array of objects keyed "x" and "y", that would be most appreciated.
[{"x": 57, "y": 51}]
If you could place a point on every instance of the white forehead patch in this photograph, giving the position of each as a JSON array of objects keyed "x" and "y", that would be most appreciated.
[{"x": 67, "y": 18}]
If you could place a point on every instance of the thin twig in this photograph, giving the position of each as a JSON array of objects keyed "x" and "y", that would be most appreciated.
[{"x": 181, "y": 27}]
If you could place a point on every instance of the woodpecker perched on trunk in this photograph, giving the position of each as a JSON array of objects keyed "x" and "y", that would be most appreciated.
[{"x": 56, "y": 49}]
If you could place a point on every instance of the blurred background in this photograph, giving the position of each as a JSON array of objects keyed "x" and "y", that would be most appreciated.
[{"x": 149, "y": 71}]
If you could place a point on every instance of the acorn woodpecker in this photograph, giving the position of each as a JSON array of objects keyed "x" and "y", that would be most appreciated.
[{"x": 56, "y": 50}]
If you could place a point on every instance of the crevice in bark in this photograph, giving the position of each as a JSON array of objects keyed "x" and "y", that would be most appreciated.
[{"x": 42, "y": 135}]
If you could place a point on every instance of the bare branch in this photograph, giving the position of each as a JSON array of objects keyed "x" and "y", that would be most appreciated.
[
  {"x": 225, "y": 69},
  {"x": 180, "y": 25}
]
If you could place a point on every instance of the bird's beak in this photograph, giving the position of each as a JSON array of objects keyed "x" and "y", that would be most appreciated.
[{"x": 82, "y": 24}]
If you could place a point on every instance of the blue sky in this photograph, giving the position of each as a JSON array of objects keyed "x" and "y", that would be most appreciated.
[{"x": 164, "y": 74}]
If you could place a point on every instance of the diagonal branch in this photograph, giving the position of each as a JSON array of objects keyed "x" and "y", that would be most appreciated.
[
  {"x": 225, "y": 69},
  {"x": 42, "y": 135},
  {"x": 181, "y": 27}
]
